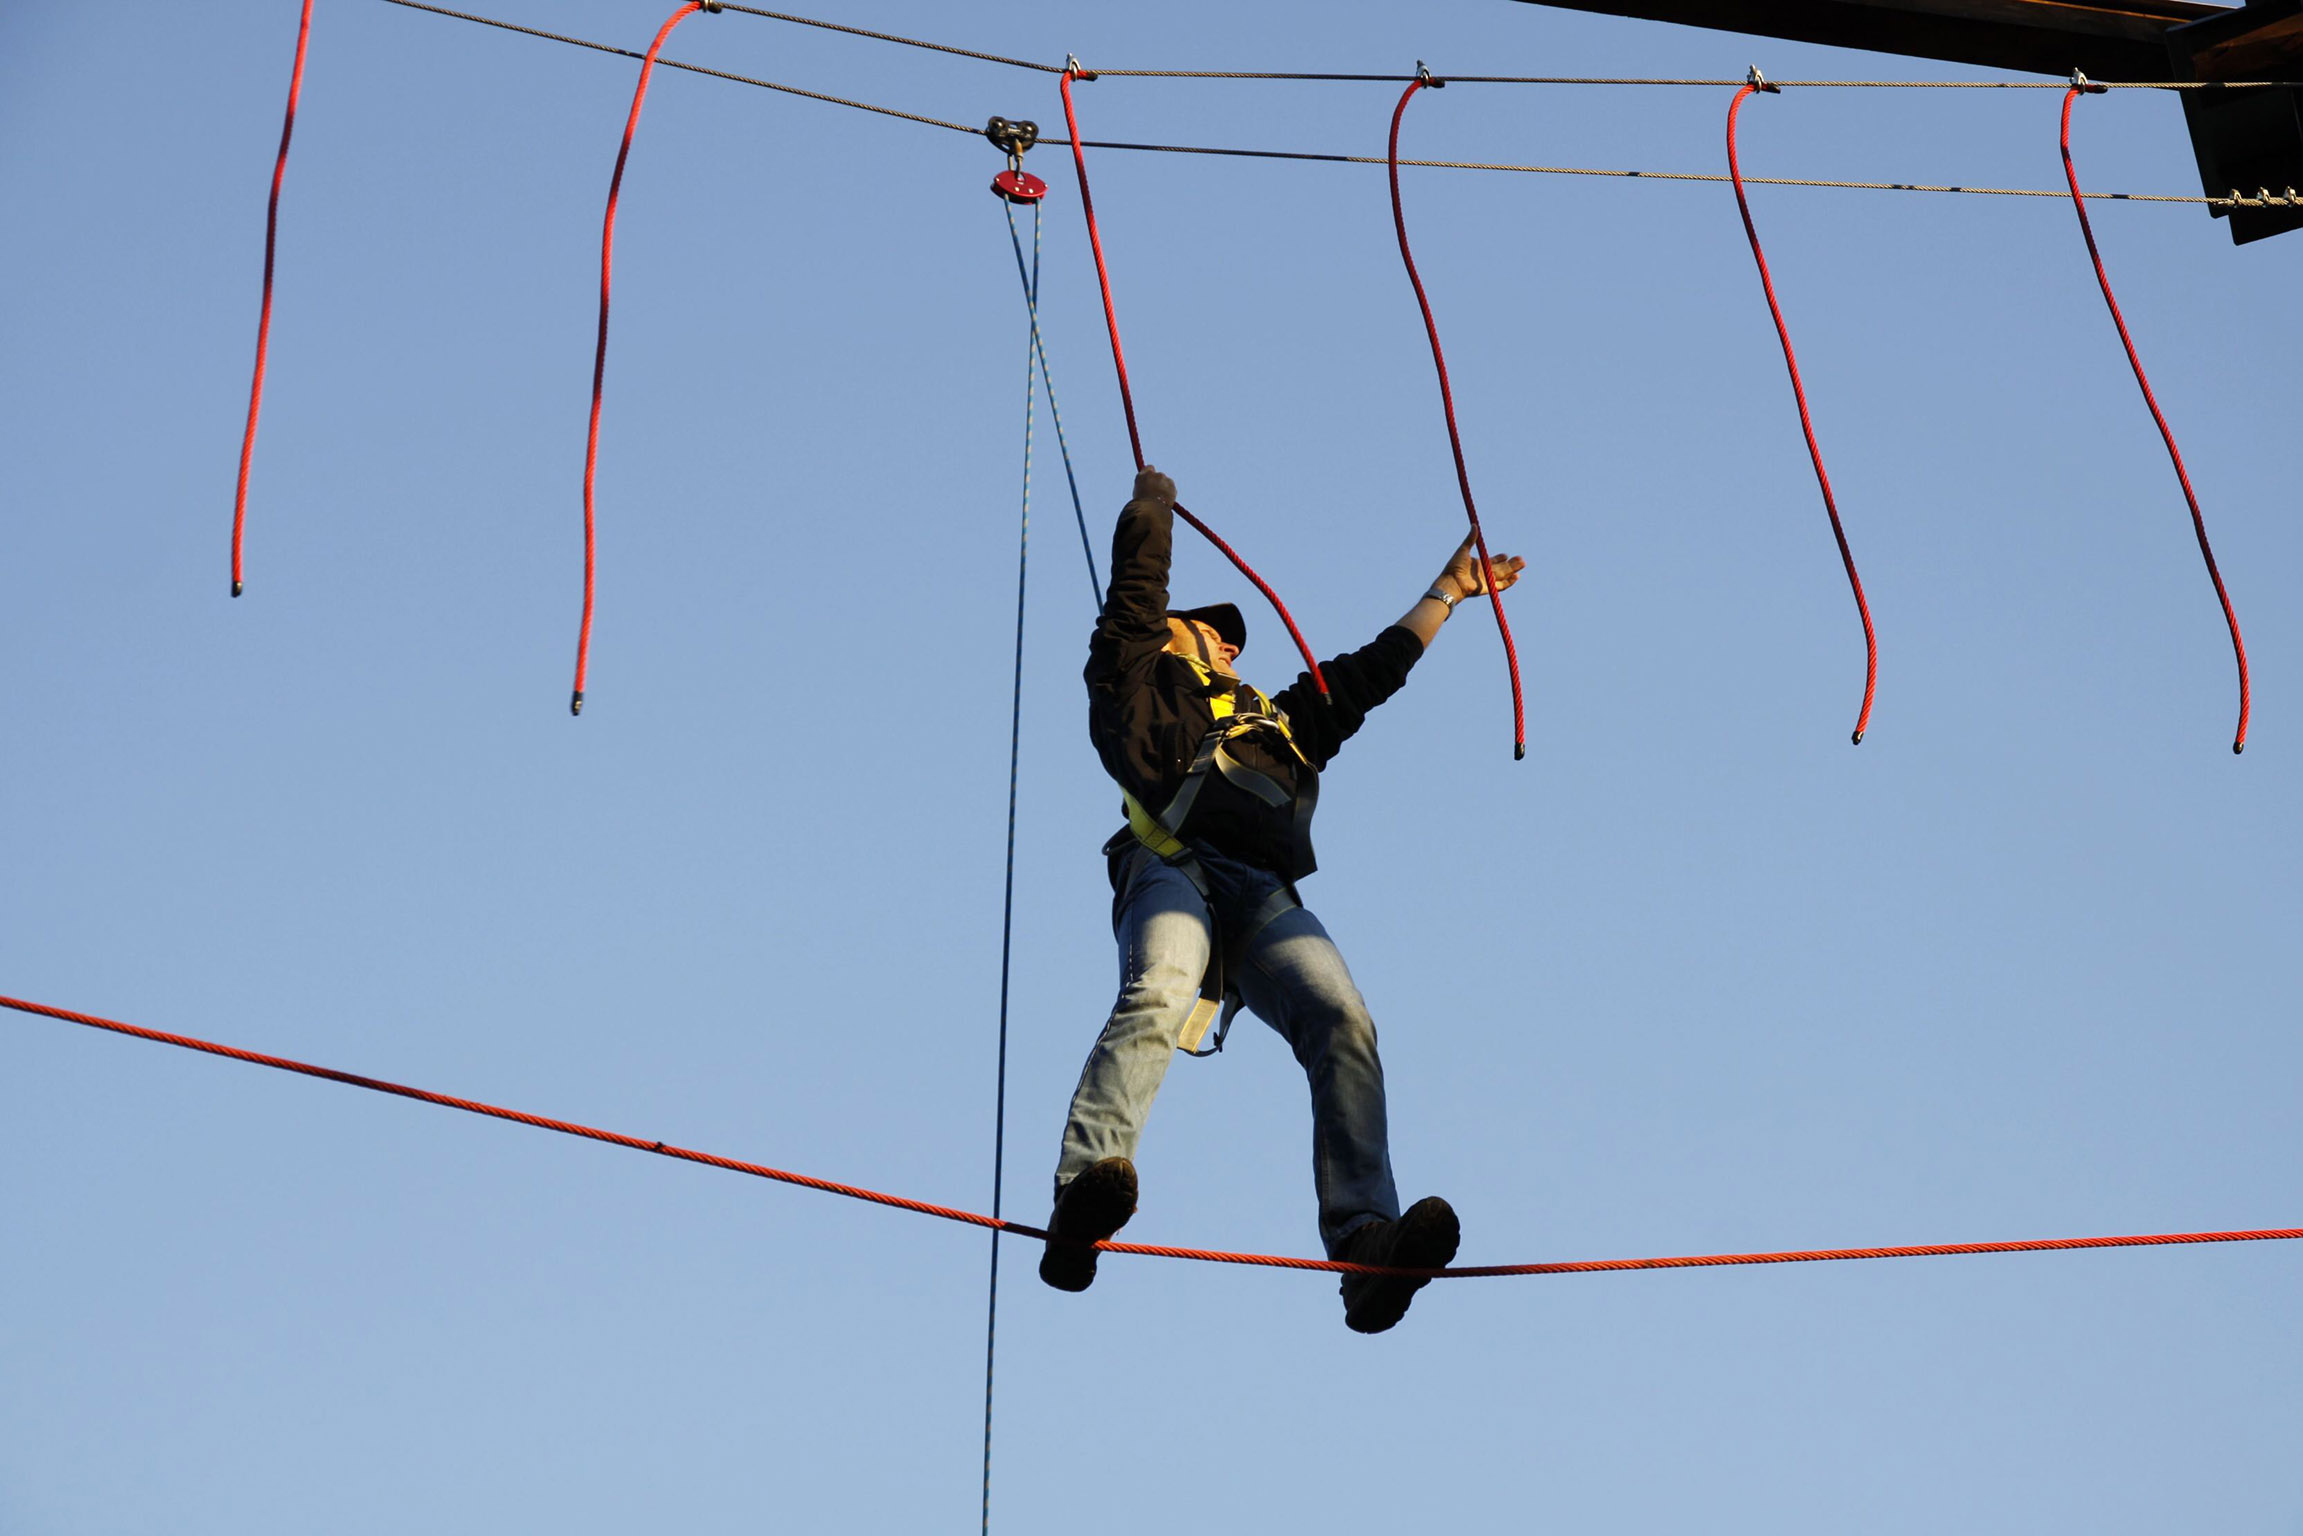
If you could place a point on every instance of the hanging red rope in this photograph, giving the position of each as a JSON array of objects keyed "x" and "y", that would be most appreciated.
[
  {"x": 1447, "y": 405},
  {"x": 1806, "y": 422},
  {"x": 1127, "y": 395},
  {"x": 264, "y": 316},
  {"x": 2081, "y": 87},
  {"x": 600, "y": 354}
]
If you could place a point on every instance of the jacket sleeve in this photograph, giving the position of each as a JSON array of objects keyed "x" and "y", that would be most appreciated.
[
  {"x": 1357, "y": 682},
  {"x": 1143, "y": 541},
  {"x": 1134, "y": 623},
  {"x": 1125, "y": 711}
]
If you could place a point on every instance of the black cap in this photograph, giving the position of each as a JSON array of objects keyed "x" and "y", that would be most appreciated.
[{"x": 1223, "y": 618}]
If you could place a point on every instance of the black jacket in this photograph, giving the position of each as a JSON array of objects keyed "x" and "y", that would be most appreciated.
[{"x": 1148, "y": 710}]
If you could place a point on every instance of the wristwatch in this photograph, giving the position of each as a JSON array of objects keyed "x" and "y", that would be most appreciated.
[{"x": 1447, "y": 600}]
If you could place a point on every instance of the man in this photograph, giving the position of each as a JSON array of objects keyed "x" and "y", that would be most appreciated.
[{"x": 1219, "y": 783}]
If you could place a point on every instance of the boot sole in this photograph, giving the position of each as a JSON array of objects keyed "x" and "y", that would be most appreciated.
[
  {"x": 1094, "y": 1213},
  {"x": 1428, "y": 1236}
]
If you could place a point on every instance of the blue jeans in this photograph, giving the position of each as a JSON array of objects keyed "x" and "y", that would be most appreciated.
[{"x": 1293, "y": 978}]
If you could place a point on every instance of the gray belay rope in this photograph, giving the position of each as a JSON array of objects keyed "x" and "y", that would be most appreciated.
[
  {"x": 1014, "y": 186},
  {"x": 1008, "y": 893}
]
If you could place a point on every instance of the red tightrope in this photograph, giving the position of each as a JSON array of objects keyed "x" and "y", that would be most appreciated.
[
  {"x": 600, "y": 354},
  {"x": 264, "y": 317},
  {"x": 1206, "y": 1255},
  {"x": 2166, "y": 435},
  {"x": 1806, "y": 423},
  {"x": 1455, "y": 438},
  {"x": 1127, "y": 395}
]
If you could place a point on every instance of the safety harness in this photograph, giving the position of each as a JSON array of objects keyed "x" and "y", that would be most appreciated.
[{"x": 1239, "y": 711}]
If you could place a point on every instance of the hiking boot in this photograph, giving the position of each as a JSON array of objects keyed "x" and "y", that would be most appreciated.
[
  {"x": 1424, "y": 1238},
  {"x": 1089, "y": 1209}
]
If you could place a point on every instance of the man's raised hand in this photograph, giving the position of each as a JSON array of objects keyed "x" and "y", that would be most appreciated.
[{"x": 1462, "y": 574}]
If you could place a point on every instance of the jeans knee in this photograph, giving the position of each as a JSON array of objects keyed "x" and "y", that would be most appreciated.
[{"x": 1348, "y": 1028}]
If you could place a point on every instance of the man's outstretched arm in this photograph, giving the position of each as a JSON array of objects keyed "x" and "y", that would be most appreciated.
[
  {"x": 1458, "y": 580},
  {"x": 1360, "y": 680}
]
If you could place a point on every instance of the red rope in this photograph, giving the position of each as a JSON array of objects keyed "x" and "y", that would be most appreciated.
[
  {"x": 2166, "y": 435},
  {"x": 1454, "y": 437},
  {"x": 264, "y": 318},
  {"x": 1806, "y": 423},
  {"x": 1127, "y": 395},
  {"x": 1206, "y": 1255},
  {"x": 600, "y": 354}
]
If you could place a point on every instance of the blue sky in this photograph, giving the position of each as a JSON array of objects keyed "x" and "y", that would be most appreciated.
[{"x": 1695, "y": 976}]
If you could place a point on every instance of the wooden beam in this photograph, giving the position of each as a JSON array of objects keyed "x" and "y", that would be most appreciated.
[{"x": 2113, "y": 40}]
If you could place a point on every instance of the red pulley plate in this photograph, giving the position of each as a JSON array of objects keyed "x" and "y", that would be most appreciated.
[{"x": 1019, "y": 186}]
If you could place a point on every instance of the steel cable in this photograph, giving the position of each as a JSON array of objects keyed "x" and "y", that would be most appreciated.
[
  {"x": 1320, "y": 157},
  {"x": 1806, "y": 422}
]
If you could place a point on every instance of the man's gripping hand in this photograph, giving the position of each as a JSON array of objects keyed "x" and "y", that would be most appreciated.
[
  {"x": 1151, "y": 485},
  {"x": 1462, "y": 574}
]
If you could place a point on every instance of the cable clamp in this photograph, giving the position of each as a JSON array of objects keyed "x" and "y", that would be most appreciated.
[
  {"x": 2085, "y": 86},
  {"x": 1760, "y": 82},
  {"x": 1012, "y": 138},
  {"x": 1426, "y": 78},
  {"x": 709, "y": 5},
  {"x": 1075, "y": 69}
]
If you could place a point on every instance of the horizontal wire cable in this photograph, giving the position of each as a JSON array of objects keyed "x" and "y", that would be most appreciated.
[
  {"x": 1321, "y": 75},
  {"x": 1446, "y": 165},
  {"x": 1148, "y": 1250},
  {"x": 693, "y": 69},
  {"x": 1728, "y": 83},
  {"x": 891, "y": 37}
]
